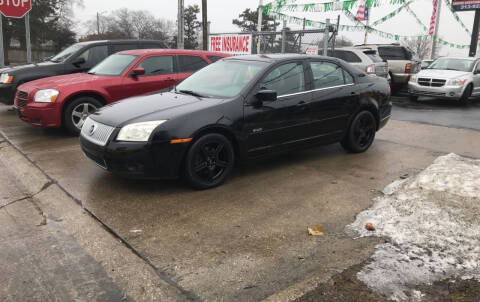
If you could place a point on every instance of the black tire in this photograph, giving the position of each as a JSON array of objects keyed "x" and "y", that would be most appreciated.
[
  {"x": 209, "y": 161},
  {"x": 466, "y": 95},
  {"x": 72, "y": 117},
  {"x": 361, "y": 133},
  {"x": 413, "y": 98}
]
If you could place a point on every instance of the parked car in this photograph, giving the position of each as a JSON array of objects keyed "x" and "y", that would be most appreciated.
[
  {"x": 79, "y": 57},
  {"x": 367, "y": 60},
  {"x": 425, "y": 63},
  {"x": 447, "y": 78},
  {"x": 400, "y": 60},
  {"x": 239, "y": 108},
  {"x": 67, "y": 100}
]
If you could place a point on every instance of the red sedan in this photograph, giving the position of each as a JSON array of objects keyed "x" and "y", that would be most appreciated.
[{"x": 68, "y": 100}]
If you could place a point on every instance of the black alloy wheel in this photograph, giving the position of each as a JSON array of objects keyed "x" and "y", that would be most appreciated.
[
  {"x": 209, "y": 161},
  {"x": 361, "y": 133},
  {"x": 466, "y": 95}
]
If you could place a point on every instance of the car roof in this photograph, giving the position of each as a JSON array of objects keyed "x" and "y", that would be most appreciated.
[
  {"x": 271, "y": 58},
  {"x": 460, "y": 58},
  {"x": 119, "y": 42},
  {"x": 165, "y": 51},
  {"x": 352, "y": 48}
]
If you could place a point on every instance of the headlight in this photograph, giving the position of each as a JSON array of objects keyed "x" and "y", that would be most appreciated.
[
  {"x": 138, "y": 132},
  {"x": 6, "y": 79},
  {"x": 46, "y": 96},
  {"x": 457, "y": 82},
  {"x": 413, "y": 78}
]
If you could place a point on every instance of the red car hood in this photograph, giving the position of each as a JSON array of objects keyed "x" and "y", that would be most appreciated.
[{"x": 59, "y": 82}]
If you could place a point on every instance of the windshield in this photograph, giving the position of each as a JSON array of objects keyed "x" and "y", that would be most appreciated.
[
  {"x": 224, "y": 79},
  {"x": 66, "y": 53},
  {"x": 114, "y": 65},
  {"x": 453, "y": 64}
]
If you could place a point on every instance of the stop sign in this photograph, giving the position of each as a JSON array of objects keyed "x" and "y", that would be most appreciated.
[{"x": 15, "y": 8}]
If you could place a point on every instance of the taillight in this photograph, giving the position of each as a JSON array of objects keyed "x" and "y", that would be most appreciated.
[
  {"x": 408, "y": 68},
  {"x": 389, "y": 90},
  {"x": 370, "y": 69}
]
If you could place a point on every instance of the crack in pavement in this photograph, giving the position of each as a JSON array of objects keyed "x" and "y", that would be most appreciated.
[
  {"x": 45, "y": 186},
  {"x": 191, "y": 296}
]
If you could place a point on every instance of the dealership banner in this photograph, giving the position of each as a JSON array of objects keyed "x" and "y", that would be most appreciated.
[
  {"x": 462, "y": 5},
  {"x": 235, "y": 44}
]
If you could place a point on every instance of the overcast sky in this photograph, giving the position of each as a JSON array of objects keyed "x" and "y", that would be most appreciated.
[{"x": 221, "y": 13}]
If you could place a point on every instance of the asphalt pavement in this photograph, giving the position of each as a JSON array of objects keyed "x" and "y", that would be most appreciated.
[{"x": 244, "y": 241}]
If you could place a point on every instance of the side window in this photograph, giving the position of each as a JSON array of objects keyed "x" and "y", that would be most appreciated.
[
  {"x": 214, "y": 58},
  {"x": 94, "y": 55},
  {"x": 157, "y": 65},
  {"x": 347, "y": 56},
  {"x": 285, "y": 79},
  {"x": 121, "y": 47},
  {"x": 191, "y": 63},
  {"x": 326, "y": 74}
]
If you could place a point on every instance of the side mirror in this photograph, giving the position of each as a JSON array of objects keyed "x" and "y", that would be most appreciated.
[
  {"x": 267, "y": 95},
  {"x": 79, "y": 61},
  {"x": 138, "y": 72}
]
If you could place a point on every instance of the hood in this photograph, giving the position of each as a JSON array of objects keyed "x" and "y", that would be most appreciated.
[
  {"x": 59, "y": 82},
  {"x": 443, "y": 74},
  {"x": 160, "y": 106},
  {"x": 13, "y": 70}
]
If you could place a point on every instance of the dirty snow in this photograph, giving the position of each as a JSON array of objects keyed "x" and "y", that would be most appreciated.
[{"x": 433, "y": 222}]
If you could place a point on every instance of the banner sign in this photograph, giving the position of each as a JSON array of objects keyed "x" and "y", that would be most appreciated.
[
  {"x": 312, "y": 50},
  {"x": 235, "y": 44},
  {"x": 463, "y": 5}
]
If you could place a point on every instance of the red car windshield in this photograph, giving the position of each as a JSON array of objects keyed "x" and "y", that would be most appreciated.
[{"x": 114, "y": 65}]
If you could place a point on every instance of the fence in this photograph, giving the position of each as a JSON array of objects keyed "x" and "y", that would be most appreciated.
[
  {"x": 17, "y": 56},
  {"x": 288, "y": 41}
]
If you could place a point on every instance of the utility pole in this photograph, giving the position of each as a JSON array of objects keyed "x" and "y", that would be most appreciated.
[
  {"x": 474, "y": 41},
  {"x": 325, "y": 37},
  {"x": 301, "y": 35},
  {"x": 98, "y": 24},
  {"x": 435, "y": 33},
  {"x": 2, "y": 53},
  {"x": 284, "y": 36},
  {"x": 259, "y": 25},
  {"x": 181, "y": 28},
  {"x": 27, "y": 35},
  {"x": 205, "y": 24},
  {"x": 335, "y": 34}
]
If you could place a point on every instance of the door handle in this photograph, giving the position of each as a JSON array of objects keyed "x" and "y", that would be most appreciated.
[{"x": 302, "y": 104}]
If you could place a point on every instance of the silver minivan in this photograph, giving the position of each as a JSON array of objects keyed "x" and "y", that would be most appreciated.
[{"x": 367, "y": 60}]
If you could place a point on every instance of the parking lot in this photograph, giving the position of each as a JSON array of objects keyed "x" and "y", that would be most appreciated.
[{"x": 244, "y": 241}]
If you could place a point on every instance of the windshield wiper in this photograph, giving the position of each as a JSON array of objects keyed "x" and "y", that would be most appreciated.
[
  {"x": 190, "y": 92},
  {"x": 91, "y": 72}
]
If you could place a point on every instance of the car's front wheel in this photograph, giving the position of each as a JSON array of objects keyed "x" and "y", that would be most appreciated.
[
  {"x": 361, "y": 134},
  {"x": 466, "y": 95},
  {"x": 413, "y": 98},
  {"x": 209, "y": 161},
  {"x": 77, "y": 112}
]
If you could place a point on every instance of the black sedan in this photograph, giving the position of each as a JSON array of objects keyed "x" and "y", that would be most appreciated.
[{"x": 238, "y": 109}]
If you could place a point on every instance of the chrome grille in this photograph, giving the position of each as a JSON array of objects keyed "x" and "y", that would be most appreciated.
[
  {"x": 22, "y": 98},
  {"x": 431, "y": 82},
  {"x": 96, "y": 132}
]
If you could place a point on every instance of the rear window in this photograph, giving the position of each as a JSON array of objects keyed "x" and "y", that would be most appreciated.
[
  {"x": 394, "y": 53},
  {"x": 372, "y": 54},
  {"x": 348, "y": 56}
]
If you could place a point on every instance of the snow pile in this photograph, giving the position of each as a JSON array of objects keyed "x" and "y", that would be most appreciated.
[{"x": 433, "y": 221}]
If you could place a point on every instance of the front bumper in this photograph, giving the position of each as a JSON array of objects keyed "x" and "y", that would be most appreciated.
[
  {"x": 445, "y": 92},
  {"x": 7, "y": 93},
  {"x": 136, "y": 159},
  {"x": 39, "y": 114}
]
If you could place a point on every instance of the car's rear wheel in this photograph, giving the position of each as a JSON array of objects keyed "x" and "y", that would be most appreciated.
[
  {"x": 466, "y": 95},
  {"x": 361, "y": 133},
  {"x": 77, "y": 112},
  {"x": 209, "y": 161}
]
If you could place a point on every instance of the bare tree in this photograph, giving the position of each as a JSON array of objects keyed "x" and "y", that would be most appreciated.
[{"x": 418, "y": 47}]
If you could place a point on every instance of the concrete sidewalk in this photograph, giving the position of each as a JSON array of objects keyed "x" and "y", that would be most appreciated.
[{"x": 53, "y": 250}]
